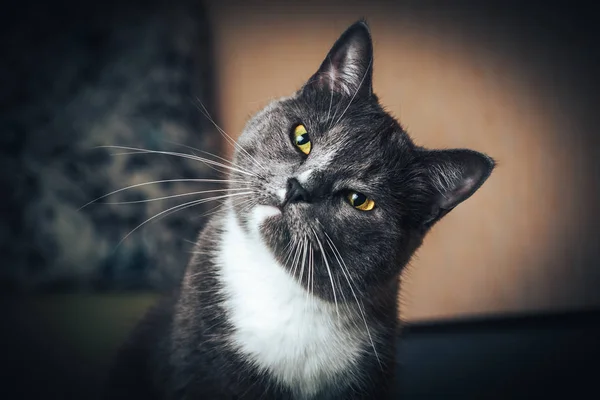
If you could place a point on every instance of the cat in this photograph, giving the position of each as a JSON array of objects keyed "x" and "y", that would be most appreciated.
[{"x": 292, "y": 289}]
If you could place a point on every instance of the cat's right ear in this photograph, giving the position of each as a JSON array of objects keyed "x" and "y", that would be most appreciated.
[
  {"x": 453, "y": 175},
  {"x": 348, "y": 67}
]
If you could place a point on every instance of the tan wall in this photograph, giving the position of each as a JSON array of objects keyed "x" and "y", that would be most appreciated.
[{"x": 511, "y": 247}]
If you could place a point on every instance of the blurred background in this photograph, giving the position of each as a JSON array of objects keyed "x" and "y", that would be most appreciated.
[{"x": 518, "y": 82}]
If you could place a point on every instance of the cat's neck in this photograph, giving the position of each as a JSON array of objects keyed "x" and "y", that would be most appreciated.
[{"x": 278, "y": 325}]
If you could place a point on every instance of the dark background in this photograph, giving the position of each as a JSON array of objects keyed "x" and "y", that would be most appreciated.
[
  {"x": 74, "y": 76},
  {"x": 77, "y": 75}
]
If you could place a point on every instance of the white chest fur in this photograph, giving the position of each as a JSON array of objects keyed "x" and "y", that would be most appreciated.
[{"x": 300, "y": 341}]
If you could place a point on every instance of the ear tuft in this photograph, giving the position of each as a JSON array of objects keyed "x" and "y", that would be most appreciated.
[{"x": 348, "y": 67}]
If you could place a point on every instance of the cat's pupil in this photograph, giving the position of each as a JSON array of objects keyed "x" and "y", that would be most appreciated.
[
  {"x": 302, "y": 139},
  {"x": 358, "y": 199}
]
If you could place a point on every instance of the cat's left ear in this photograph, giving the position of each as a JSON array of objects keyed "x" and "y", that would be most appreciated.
[
  {"x": 348, "y": 67},
  {"x": 453, "y": 175}
]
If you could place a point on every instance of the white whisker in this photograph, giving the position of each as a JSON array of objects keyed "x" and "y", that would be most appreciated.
[
  {"x": 160, "y": 181},
  {"x": 309, "y": 281},
  {"x": 126, "y": 153},
  {"x": 304, "y": 240},
  {"x": 174, "y": 196},
  {"x": 312, "y": 276},
  {"x": 304, "y": 247},
  {"x": 229, "y": 138},
  {"x": 328, "y": 271},
  {"x": 224, "y": 203},
  {"x": 348, "y": 277},
  {"x": 182, "y": 155},
  {"x": 296, "y": 259},
  {"x": 179, "y": 208},
  {"x": 207, "y": 153},
  {"x": 288, "y": 253}
]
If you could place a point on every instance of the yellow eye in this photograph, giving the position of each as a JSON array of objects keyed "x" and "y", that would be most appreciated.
[
  {"x": 360, "y": 201},
  {"x": 301, "y": 139}
]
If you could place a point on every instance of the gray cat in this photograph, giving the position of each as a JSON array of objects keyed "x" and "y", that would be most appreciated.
[{"x": 292, "y": 290}]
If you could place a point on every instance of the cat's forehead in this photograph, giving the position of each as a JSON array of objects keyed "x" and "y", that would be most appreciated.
[
  {"x": 340, "y": 121},
  {"x": 343, "y": 133}
]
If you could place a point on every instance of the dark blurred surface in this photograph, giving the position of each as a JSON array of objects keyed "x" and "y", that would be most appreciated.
[
  {"x": 60, "y": 348},
  {"x": 541, "y": 356},
  {"x": 78, "y": 75}
]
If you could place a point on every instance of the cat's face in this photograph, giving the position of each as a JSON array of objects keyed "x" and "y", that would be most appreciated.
[{"x": 341, "y": 195}]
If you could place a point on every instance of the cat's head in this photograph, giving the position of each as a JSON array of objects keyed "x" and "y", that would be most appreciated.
[{"x": 342, "y": 196}]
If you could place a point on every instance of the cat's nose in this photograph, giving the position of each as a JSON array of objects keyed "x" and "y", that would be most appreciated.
[{"x": 295, "y": 193}]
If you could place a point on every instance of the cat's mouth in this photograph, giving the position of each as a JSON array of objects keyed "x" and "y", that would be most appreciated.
[
  {"x": 289, "y": 221},
  {"x": 277, "y": 219},
  {"x": 262, "y": 213}
]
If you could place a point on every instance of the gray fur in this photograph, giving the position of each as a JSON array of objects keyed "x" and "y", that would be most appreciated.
[{"x": 358, "y": 255}]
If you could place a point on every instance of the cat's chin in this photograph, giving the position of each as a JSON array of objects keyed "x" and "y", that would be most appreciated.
[
  {"x": 261, "y": 213},
  {"x": 259, "y": 216},
  {"x": 272, "y": 224}
]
